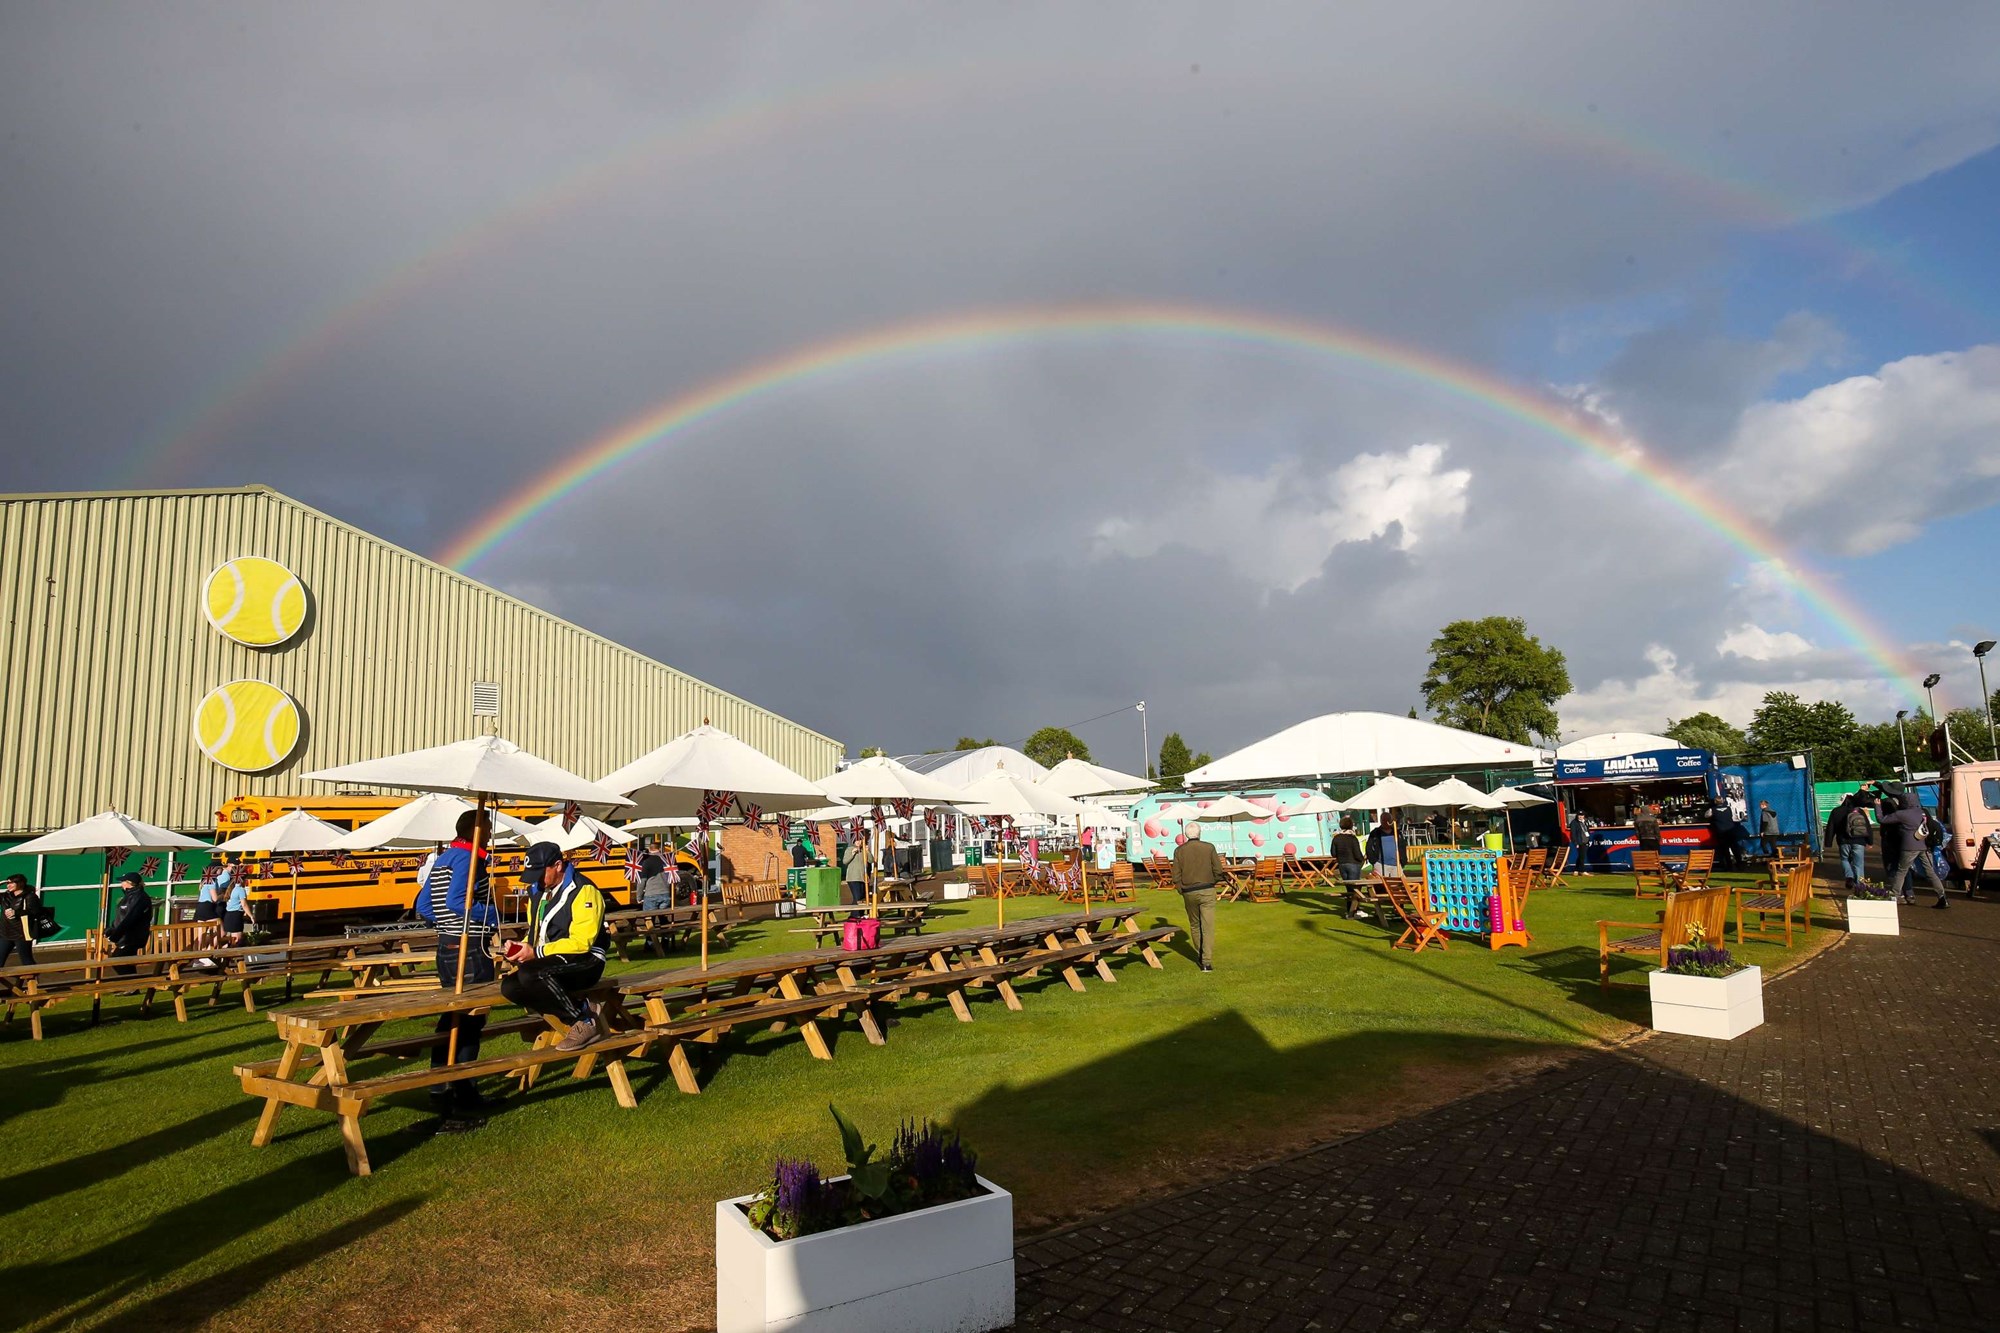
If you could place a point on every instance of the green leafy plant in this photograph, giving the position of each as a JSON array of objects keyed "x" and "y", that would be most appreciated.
[
  {"x": 867, "y": 1177},
  {"x": 925, "y": 1166},
  {"x": 1699, "y": 958}
]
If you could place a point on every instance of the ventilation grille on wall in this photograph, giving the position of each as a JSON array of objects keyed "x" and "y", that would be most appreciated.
[{"x": 486, "y": 698}]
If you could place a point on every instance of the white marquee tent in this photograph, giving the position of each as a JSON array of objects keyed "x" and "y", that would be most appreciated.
[
  {"x": 1367, "y": 743},
  {"x": 962, "y": 768},
  {"x": 1615, "y": 745}
]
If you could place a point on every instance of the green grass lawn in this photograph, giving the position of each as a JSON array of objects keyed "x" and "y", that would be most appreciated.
[{"x": 133, "y": 1198}]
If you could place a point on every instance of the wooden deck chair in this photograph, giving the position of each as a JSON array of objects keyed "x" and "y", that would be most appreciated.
[
  {"x": 1423, "y": 927},
  {"x": 1267, "y": 881},
  {"x": 1700, "y": 865},
  {"x": 1794, "y": 896},
  {"x": 1649, "y": 878},
  {"x": 1552, "y": 872},
  {"x": 1124, "y": 885},
  {"x": 1708, "y": 908},
  {"x": 1162, "y": 871}
]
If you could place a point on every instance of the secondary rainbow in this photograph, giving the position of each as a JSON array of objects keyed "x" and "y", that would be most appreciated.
[{"x": 973, "y": 331}]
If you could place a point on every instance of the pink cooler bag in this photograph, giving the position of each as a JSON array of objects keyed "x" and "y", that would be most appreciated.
[{"x": 861, "y": 933}]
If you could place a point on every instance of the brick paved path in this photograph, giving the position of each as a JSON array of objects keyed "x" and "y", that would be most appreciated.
[{"x": 1837, "y": 1168}]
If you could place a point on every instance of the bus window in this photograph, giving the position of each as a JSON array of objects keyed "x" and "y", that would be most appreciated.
[{"x": 1989, "y": 792}]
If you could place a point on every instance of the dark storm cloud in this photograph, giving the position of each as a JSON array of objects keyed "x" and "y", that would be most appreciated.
[{"x": 916, "y": 550}]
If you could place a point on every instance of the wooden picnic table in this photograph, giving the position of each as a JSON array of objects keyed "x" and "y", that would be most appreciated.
[
  {"x": 43, "y": 985},
  {"x": 681, "y": 1006}
]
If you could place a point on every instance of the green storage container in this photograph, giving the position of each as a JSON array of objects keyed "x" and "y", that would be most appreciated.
[{"x": 822, "y": 885}]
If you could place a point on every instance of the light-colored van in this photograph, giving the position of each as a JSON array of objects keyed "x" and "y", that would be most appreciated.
[{"x": 1970, "y": 794}]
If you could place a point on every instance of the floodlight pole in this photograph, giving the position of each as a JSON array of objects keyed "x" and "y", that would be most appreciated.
[
  {"x": 1145, "y": 745},
  {"x": 1904, "y": 740},
  {"x": 1979, "y": 651}
]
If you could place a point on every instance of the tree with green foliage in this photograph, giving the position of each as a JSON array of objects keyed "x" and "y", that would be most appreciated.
[
  {"x": 967, "y": 743},
  {"x": 1706, "y": 731},
  {"x": 1174, "y": 759},
  {"x": 1784, "y": 723},
  {"x": 1968, "y": 733},
  {"x": 1051, "y": 745},
  {"x": 1493, "y": 677},
  {"x": 870, "y": 751}
]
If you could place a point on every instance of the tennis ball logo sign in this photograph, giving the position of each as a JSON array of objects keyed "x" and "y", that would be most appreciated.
[
  {"x": 254, "y": 601},
  {"x": 247, "y": 725}
]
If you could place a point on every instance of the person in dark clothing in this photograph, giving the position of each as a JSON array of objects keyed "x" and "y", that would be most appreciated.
[
  {"x": 1722, "y": 836},
  {"x": 1347, "y": 852},
  {"x": 656, "y": 887},
  {"x": 131, "y": 922},
  {"x": 1913, "y": 852},
  {"x": 459, "y": 897},
  {"x": 1886, "y": 801},
  {"x": 1383, "y": 851},
  {"x": 1850, "y": 830},
  {"x": 1646, "y": 827},
  {"x": 801, "y": 854},
  {"x": 20, "y": 908},
  {"x": 1767, "y": 829}
]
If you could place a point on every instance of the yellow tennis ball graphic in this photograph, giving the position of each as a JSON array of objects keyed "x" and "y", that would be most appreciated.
[
  {"x": 247, "y": 725},
  {"x": 254, "y": 601}
]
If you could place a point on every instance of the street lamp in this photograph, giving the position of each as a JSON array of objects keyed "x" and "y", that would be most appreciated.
[
  {"x": 1930, "y": 683},
  {"x": 1902, "y": 713},
  {"x": 1145, "y": 744},
  {"x": 1979, "y": 651}
]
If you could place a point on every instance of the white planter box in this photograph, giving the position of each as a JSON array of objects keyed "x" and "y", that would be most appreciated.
[
  {"x": 1872, "y": 916},
  {"x": 955, "y": 892},
  {"x": 945, "y": 1268},
  {"x": 1722, "y": 1007}
]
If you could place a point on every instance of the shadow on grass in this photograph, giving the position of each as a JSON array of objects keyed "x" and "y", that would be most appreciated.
[
  {"x": 46, "y": 1288},
  {"x": 51, "y": 1180}
]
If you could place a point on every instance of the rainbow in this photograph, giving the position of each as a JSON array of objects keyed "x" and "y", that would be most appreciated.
[
  {"x": 984, "y": 329},
  {"x": 167, "y": 453}
]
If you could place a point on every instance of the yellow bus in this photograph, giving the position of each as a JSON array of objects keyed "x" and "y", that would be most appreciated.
[{"x": 378, "y": 884}]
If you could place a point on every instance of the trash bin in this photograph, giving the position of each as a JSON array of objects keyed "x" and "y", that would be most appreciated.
[{"x": 821, "y": 885}]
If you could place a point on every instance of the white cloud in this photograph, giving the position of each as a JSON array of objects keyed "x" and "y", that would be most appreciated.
[
  {"x": 1762, "y": 645},
  {"x": 1862, "y": 464},
  {"x": 1278, "y": 527},
  {"x": 1672, "y": 689}
]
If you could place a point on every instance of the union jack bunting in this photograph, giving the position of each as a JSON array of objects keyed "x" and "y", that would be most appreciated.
[
  {"x": 904, "y": 807},
  {"x": 784, "y": 823},
  {"x": 931, "y": 821},
  {"x": 881, "y": 817},
  {"x": 374, "y": 874},
  {"x": 340, "y": 860},
  {"x": 296, "y": 863},
  {"x": 150, "y": 866},
  {"x": 211, "y": 874},
  {"x": 714, "y": 805},
  {"x": 632, "y": 863},
  {"x": 753, "y": 815},
  {"x": 571, "y": 813},
  {"x": 115, "y": 856},
  {"x": 602, "y": 847}
]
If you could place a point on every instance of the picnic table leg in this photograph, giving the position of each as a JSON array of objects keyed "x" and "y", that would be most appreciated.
[
  {"x": 683, "y": 1069},
  {"x": 288, "y": 1064},
  {"x": 1103, "y": 963},
  {"x": 788, "y": 986},
  {"x": 1054, "y": 942},
  {"x": 1131, "y": 927},
  {"x": 350, "y": 1136},
  {"x": 621, "y": 1083},
  {"x": 249, "y": 997},
  {"x": 1001, "y": 984}
]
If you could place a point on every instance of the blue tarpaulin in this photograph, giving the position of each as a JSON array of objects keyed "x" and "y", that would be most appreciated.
[{"x": 1789, "y": 790}]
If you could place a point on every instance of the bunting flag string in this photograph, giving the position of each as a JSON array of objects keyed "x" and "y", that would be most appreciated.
[
  {"x": 904, "y": 807},
  {"x": 150, "y": 867},
  {"x": 339, "y": 860},
  {"x": 296, "y": 863},
  {"x": 632, "y": 863},
  {"x": 881, "y": 817},
  {"x": 571, "y": 812},
  {"x": 210, "y": 874},
  {"x": 753, "y": 814},
  {"x": 931, "y": 822},
  {"x": 714, "y": 805},
  {"x": 784, "y": 823},
  {"x": 602, "y": 846},
  {"x": 374, "y": 874},
  {"x": 115, "y": 857}
]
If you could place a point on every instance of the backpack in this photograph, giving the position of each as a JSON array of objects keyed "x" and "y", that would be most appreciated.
[
  {"x": 42, "y": 922},
  {"x": 1857, "y": 828}
]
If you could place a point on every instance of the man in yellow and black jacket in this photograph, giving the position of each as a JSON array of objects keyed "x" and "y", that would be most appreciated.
[{"x": 564, "y": 955}]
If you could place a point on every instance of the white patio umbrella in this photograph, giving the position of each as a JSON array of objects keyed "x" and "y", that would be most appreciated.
[
  {"x": 581, "y": 834},
  {"x": 424, "y": 822},
  {"x": 107, "y": 832},
  {"x": 1512, "y": 799},
  {"x": 486, "y": 767},
  {"x": 1390, "y": 793},
  {"x": 679, "y": 777},
  {"x": 879, "y": 780},
  {"x": 1019, "y": 798},
  {"x": 1080, "y": 777},
  {"x": 1453, "y": 795},
  {"x": 1319, "y": 803},
  {"x": 296, "y": 833}
]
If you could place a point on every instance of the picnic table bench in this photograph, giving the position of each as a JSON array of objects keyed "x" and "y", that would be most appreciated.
[
  {"x": 42, "y": 986},
  {"x": 675, "y": 1008},
  {"x": 898, "y": 918}
]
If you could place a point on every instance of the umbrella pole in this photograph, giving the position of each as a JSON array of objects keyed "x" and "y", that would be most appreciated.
[
  {"x": 103, "y": 923},
  {"x": 704, "y": 926},
  {"x": 292, "y": 933},
  {"x": 1082, "y": 871}
]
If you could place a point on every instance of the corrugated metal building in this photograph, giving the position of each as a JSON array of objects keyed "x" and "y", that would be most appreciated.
[{"x": 112, "y": 643}]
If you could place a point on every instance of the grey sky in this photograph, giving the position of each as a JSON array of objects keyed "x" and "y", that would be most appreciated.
[{"x": 989, "y": 539}]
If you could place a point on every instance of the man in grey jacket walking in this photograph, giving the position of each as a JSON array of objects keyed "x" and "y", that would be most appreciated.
[
  {"x": 1197, "y": 867},
  {"x": 1912, "y": 851}
]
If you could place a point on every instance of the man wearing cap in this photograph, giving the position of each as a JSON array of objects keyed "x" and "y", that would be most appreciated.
[
  {"x": 1197, "y": 866},
  {"x": 459, "y": 896},
  {"x": 132, "y": 924},
  {"x": 564, "y": 956}
]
